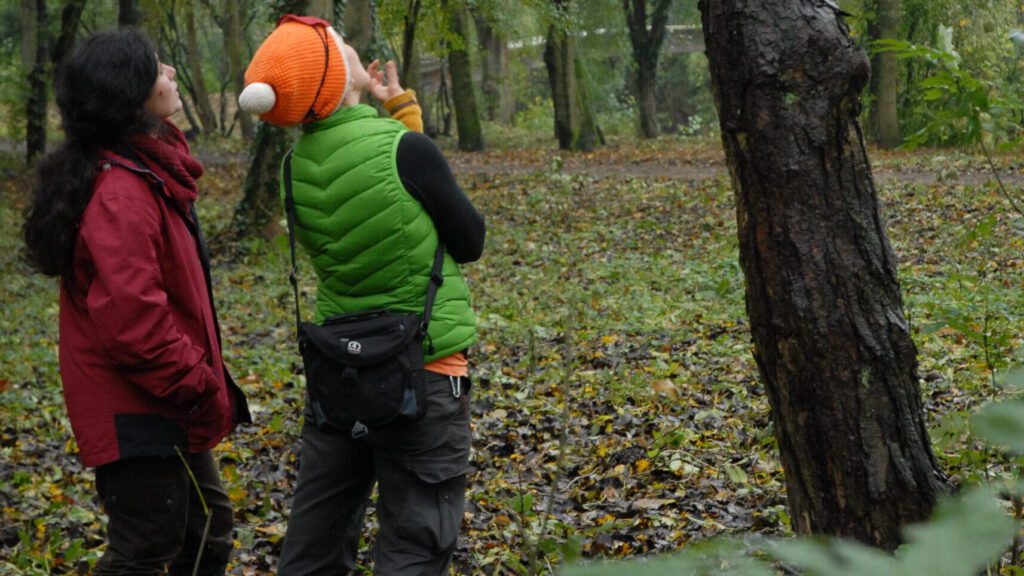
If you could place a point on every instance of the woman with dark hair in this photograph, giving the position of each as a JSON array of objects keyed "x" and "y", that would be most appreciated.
[{"x": 145, "y": 386}]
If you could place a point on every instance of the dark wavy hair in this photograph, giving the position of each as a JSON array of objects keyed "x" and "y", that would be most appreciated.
[{"x": 102, "y": 88}]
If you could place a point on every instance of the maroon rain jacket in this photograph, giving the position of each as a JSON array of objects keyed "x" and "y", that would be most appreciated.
[{"x": 140, "y": 354}]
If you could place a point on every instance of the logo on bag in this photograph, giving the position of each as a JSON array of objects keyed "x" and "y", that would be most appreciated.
[{"x": 354, "y": 347}]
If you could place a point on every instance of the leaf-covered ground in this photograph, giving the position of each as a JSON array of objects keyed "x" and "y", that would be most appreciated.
[{"x": 617, "y": 409}]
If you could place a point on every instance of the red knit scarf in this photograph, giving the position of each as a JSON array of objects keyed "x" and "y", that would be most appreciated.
[{"x": 169, "y": 158}]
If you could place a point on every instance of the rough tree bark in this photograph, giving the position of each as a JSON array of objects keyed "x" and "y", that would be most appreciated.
[
  {"x": 467, "y": 115},
  {"x": 831, "y": 342},
  {"x": 646, "y": 38}
]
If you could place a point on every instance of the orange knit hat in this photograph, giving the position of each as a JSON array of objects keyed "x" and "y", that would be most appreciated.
[{"x": 298, "y": 74}]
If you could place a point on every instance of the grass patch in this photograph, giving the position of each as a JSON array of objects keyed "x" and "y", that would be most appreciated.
[{"x": 614, "y": 361}]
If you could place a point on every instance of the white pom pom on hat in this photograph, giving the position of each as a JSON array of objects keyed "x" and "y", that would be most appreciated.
[{"x": 257, "y": 98}]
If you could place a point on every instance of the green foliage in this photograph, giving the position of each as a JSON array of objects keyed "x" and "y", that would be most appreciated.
[
  {"x": 964, "y": 534},
  {"x": 962, "y": 107}
]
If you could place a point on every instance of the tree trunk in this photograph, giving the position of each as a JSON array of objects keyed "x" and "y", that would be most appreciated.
[
  {"x": 233, "y": 48},
  {"x": 885, "y": 75},
  {"x": 195, "y": 67},
  {"x": 257, "y": 211},
  {"x": 408, "y": 65},
  {"x": 70, "y": 18},
  {"x": 495, "y": 83},
  {"x": 646, "y": 40},
  {"x": 831, "y": 342},
  {"x": 575, "y": 126},
  {"x": 42, "y": 63},
  {"x": 37, "y": 99},
  {"x": 128, "y": 13},
  {"x": 321, "y": 9},
  {"x": 359, "y": 26},
  {"x": 467, "y": 115}
]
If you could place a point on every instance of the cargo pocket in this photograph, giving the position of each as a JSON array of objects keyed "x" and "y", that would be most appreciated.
[{"x": 437, "y": 447}]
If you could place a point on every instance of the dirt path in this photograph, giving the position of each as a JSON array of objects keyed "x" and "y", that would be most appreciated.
[{"x": 710, "y": 168}]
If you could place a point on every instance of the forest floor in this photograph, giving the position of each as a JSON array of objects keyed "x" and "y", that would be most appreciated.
[{"x": 617, "y": 410}]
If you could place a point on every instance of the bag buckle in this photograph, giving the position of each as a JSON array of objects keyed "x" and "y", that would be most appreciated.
[
  {"x": 359, "y": 430},
  {"x": 350, "y": 376}
]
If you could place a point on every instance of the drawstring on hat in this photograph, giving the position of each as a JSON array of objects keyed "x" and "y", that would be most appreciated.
[{"x": 317, "y": 29}]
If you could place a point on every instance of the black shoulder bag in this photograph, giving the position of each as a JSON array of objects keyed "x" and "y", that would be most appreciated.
[{"x": 363, "y": 369}]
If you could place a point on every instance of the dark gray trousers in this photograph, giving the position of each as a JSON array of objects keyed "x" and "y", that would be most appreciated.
[
  {"x": 156, "y": 519},
  {"x": 420, "y": 471}
]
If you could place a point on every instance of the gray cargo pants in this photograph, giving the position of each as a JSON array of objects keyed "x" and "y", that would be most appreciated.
[{"x": 420, "y": 471}]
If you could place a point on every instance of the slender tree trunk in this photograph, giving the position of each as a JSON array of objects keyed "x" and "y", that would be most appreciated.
[
  {"x": 194, "y": 61},
  {"x": 647, "y": 39},
  {"x": 42, "y": 61},
  {"x": 233, "y": 48},
  {"x": 36, "y": 102},
  {"x": 495, "y": 83},
  {"x": 70, "y": 18},
  {"x": 467, "y": 115},
  {"x": 885, "y": 75},
  {"x": 831, "y": 342},
  {"x": 128, "y": 13},
  {"x": 408, "y": 64}
]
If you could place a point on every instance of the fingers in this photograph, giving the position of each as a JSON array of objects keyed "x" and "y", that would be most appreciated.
[{"x": 392, "y": 71}]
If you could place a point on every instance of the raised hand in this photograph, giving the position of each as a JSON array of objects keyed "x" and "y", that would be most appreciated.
[{"x": 378, "y": 88}]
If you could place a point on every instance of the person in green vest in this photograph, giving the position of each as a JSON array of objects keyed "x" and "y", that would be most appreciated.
[{"x": 373, "y": 196}]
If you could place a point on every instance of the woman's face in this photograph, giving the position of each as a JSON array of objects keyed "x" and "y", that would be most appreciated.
[{"x": 164, "y": 99}]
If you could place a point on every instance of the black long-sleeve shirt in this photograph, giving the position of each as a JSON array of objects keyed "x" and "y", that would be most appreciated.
[{"x": 425, "y": 173}]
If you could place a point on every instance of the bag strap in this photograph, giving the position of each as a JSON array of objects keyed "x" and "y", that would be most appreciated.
[
  {"x": 436, "y": 276},
  {"x": 289, "y": 208}
]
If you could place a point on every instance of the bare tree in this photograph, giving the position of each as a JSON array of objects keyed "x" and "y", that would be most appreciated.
[{"x": 831, "y": 341}]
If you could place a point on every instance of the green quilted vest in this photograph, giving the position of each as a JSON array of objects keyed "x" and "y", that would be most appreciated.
[{"x": 371, "y": 243}]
